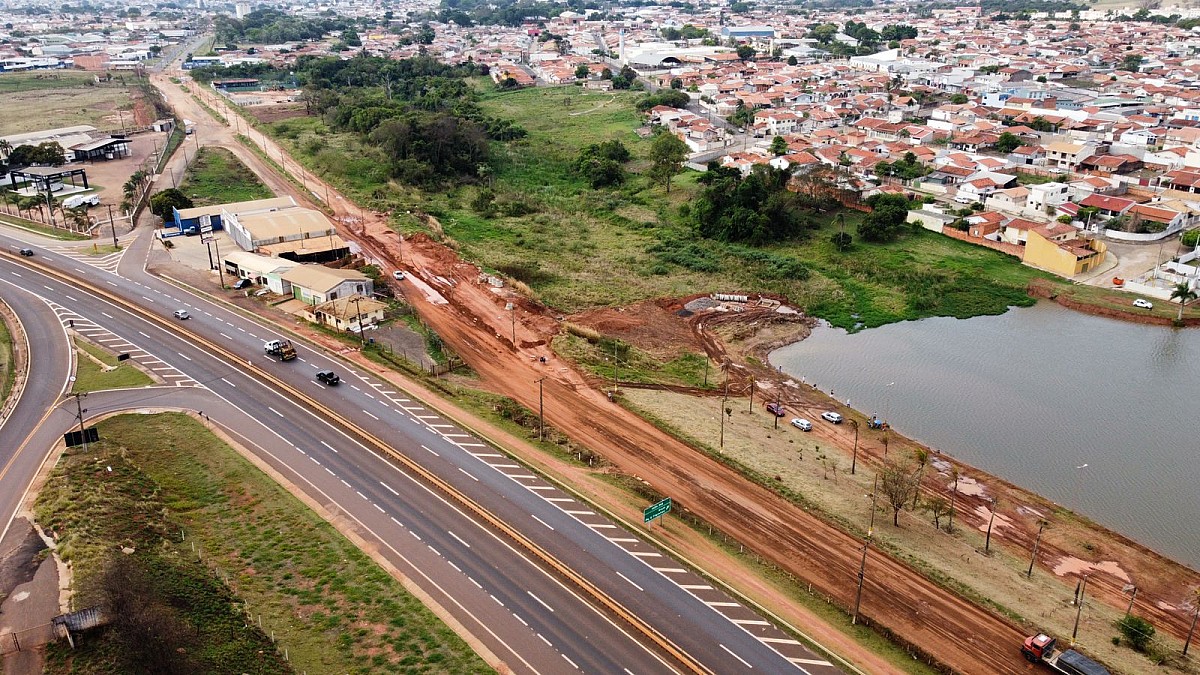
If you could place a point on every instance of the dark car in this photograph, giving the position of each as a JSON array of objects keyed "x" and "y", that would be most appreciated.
[
  {"x": 26, "y": 252},
  {"x": 242, "y": 283},
  {"x": 776, "y": 409},
  {"x": 328, "y": 377}
]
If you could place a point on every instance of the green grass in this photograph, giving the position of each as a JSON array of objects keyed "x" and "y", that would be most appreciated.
[
  {"x": 42, "y": 79},
  {"x": 578, "y": 248},
  {"x": 7, "y": 371},
  {"x": 90, "y": 376},
  {"x": 633, "y": 364},
  {"x": 216, "y": 176},
  {"x": 1033, "y": 179},
  {"x": 53, "y": 232},
  {"x": 325, "y": 601}
]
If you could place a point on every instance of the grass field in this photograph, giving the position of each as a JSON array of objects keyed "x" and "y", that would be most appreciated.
[
  {"x": 578, "y": 248},
  {"x": 216, "y": 176},
  {"x": 328, "y": 604},
  {"x": 91, "y": 376},
  {"x": 25, "y": 105}
]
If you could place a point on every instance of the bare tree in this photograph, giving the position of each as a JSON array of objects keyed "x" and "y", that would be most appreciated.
[
  {"x": 898, "y": 482},
  {"x": 922, "y": 457}
]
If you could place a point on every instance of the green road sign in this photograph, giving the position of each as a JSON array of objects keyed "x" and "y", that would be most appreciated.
[{"x": 656, "y": 510}]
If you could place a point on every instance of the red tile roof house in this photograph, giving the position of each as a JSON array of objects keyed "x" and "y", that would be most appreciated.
[{"x": 1108, "y": 206}]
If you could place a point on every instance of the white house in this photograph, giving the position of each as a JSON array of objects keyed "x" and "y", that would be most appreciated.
[
  {"x": 1047, "y": 195},
  {"x": 317, "y": 284}
]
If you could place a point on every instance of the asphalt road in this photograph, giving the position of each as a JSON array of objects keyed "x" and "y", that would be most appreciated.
[{"x": 521, "y": 613}]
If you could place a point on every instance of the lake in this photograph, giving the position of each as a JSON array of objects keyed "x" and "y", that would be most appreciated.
[{"x": 1032, "y": 396}]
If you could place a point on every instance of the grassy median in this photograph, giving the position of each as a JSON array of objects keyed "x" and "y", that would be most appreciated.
[
  {"x": 136, "y": 503},
  {"x": 97, "y": 369}
]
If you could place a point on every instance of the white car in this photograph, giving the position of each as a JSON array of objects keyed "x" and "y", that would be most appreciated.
[
  {"x": 802, "y": 424},
  {"x": 181, "y": 314},
  {"x": 398, "y": 275},
  {"x": 1144, "y": 304},
  {"x": 830, "y": 416}
]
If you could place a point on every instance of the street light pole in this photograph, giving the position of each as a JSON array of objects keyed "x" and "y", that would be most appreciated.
[
  {"x": 1036, "y": 542},
  {"x": 987, "y": 542},
  {"x": 1079, "y": 609}
]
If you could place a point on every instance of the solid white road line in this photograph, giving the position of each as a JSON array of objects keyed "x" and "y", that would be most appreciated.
[
  {"x": 460, "y": 539},
  {"x": 469, "y": 475},
  {"x": 426, "y": 448},
  {"x": 540, "y": 601},
  {"x": 389, "y": 488},
  {"x": 630, "y": 582},
  {"x": 542, "y": 522},
  {"x": 736, "y": 656}
]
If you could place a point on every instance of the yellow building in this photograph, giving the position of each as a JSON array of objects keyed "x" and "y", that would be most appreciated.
[{"x": 1057, "y": 248}]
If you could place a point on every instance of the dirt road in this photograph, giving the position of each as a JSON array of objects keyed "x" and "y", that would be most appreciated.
[{"x": 957, "y": 633}]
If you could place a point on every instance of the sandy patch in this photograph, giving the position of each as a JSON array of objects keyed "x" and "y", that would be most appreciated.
[{"x": 1072, "y": 565}]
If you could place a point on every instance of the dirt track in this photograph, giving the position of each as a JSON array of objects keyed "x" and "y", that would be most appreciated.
[{"x": 963, "y": 637}]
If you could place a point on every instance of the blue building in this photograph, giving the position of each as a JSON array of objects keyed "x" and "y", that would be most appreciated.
[{"x": 185, "y": 219}]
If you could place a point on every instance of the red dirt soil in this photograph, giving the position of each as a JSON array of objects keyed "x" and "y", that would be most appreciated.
[{"x": 964, "y": 637}]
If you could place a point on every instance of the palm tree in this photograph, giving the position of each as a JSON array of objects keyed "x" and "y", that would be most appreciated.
[{"x": 1184, "y": 293}]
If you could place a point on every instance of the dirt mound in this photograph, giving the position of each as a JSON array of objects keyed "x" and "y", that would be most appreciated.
[{"x": 652, "y": 326}]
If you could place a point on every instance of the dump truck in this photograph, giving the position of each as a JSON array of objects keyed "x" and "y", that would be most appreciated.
[
  {"x": 281, "y": 348},
  {"x": 1044, "y": 649}
]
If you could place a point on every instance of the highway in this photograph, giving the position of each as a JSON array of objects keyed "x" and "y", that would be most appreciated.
[{"x": 524, "y": 615}]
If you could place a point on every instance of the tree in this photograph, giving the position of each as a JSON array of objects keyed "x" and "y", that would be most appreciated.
[
  {"x": 1190, "y": 238},
  {"x": 667, "y": 152},
  {"x": 350, "y": 38},
  {"x": 791, "y": 61},
  {"x": 898, "y": 482},
  {"x": 886, "y": 220},
  {"x": 582, "y": 71},
  {"x": 779, "y": 146},
  {"x": 600, "y": 163},
  {"x": 959, "y": 99},
  {"x": 841, "y": 241},
  {"x": 1137, "y": 631},
  {"x": 1184, "y": 293},
  {"x": 746, "y": 52},
  {"x": 162, "y": 203},
  {"x": 676, "y": 83},
  {"x": 1007, "y": 143},
  {"x": 1131, "y": 63}
]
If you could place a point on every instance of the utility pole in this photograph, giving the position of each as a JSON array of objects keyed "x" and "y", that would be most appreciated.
[
  {"x": 81, "y": 409},
  {"x": 854, "y": 456},
  {"x": 362, "y": 334},
  {"x": 113, "y": 225},
  {"x": 987, "y": 542},
  {"x": 752, "y": 396},
  {"x": 541, "y": 413},
  {"x": 615, "y": 367},
  {"x": 862, "y": 566},
  {"x": 220, "y": 269},
  {"x": 1129, "y": 609},
  {"x": 1036, "y": 542},
  {"x": 1079, "y": 609},
  {"x": 1188, "y": 641}
]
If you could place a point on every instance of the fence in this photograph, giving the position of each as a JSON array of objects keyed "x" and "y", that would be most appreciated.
[{"x": 30, "y": 638}]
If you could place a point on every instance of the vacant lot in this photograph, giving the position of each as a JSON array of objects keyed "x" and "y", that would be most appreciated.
[
  {"x": 61, "y": 100},
  {"x": 577, "y": 248},
  {"x": 153, "y": 480},
  {"x": 216, "y": 176}
]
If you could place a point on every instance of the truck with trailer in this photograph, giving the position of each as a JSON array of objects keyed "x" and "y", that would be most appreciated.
[
  {"x": 281, "y": 348},
  {"x": 1042, "y": 648}
]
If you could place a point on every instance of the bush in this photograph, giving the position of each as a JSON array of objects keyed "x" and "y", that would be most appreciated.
[
  {"x": 1137, "y": 631},
  {"x": 1190, "y": 238}
]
